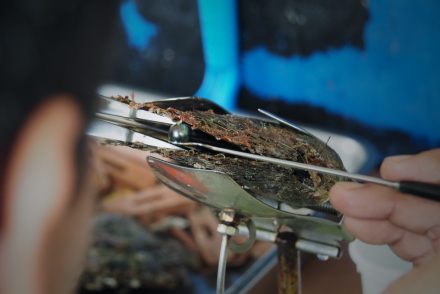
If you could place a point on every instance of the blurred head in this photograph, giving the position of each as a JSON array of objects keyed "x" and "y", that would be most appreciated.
[{"x": 52, "y": 57}]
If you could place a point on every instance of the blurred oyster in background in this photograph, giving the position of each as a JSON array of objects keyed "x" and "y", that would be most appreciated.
[{"x": 125, "y": 256}]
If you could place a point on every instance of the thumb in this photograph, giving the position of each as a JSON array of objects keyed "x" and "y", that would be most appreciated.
[{"x": 423, "y": 167}]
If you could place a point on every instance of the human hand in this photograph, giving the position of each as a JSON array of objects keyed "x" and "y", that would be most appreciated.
[
  {"x": 151, "y": 204},
  {"x": 136, "y": 192},
  {"x": 381, "y": 215},
  {"x": 126, "y": 167}
]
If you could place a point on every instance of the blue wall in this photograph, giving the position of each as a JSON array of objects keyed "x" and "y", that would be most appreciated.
[
  {"x": 139, "y": 31},
  {"x": 394, "y": 83}
]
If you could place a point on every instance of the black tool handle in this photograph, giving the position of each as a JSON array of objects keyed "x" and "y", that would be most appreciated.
[{"x": 425, "y": 190}]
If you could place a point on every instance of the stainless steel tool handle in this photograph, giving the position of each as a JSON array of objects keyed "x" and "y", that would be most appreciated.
[{"x": 425, "y": 190}]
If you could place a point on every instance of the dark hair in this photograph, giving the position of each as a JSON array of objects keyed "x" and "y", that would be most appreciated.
[{"x": 49, "y": 47}]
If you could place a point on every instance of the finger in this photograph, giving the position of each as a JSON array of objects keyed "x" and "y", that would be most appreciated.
[
  {"x": 377, "y": 232},
  {"x": 208, "y": 246},
  {"x": 127, "y": 152},
  {"x": 146, "y": 208},
  {"x": 126, "y": 163},
  {"x": 112, "y": 157},
  {"x": 414, "y": 248},
  {"x": 97, "y": 168},
  {"x": 407, "y": 245},
  {"x": 380, "y": 203},
  {"x": 131, "y": 176},
  {"x": 128, "y": 204},
  {"x": 149, "y": 194},
  {"x": 163, "y": 191},
  {"x": 205, "y": 216},
  {"x": 164, "y": 206},
  {"x": 168, "y": 192},
  {"x": 423, "y": 167}
]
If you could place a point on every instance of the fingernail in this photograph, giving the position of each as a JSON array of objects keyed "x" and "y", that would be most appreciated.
[
  {"x": 350, "y": 185},
  {"x": 398, "y": 158},
  {"x": 344, "y": 187},
  {"x": 394, "y": 165}
]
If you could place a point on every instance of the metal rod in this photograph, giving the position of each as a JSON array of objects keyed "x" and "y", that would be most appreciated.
[
  {"x": 318, "y": 248},
  {"x": 303, "y": 166},
  {"x": 221, "y": 272},
  {"x": 289, "y": 264},
  {"x": 298, "y": 271},
  {"x": 121, "y": 120},
  {"x": 283, "y": 121},
  {"x": 130, "y": 123}
]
